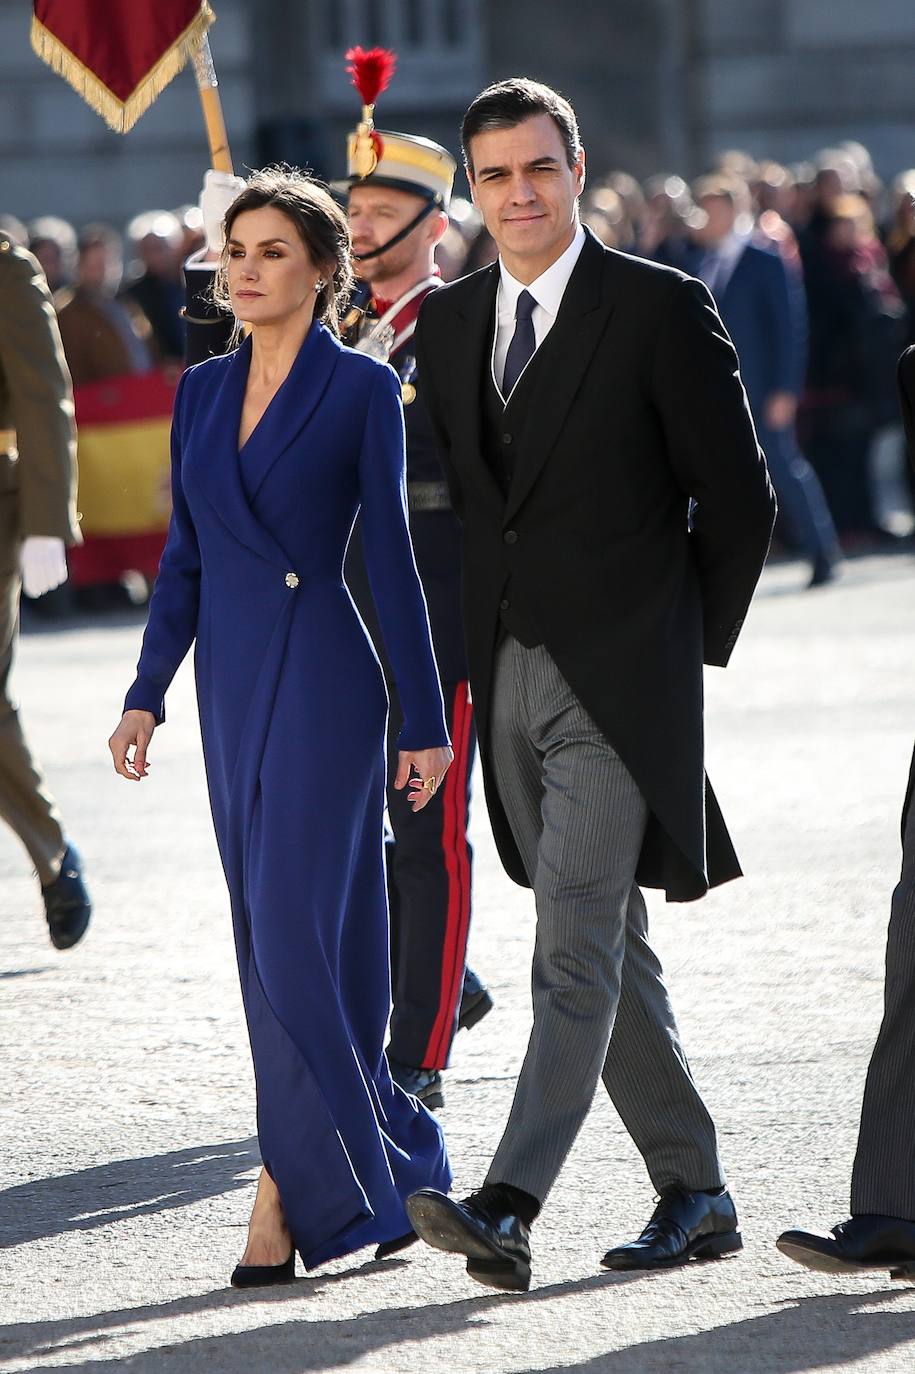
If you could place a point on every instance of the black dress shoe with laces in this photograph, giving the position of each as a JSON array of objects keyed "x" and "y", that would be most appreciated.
[
  {"x": 263, "y": 1275},
  {"x": 476, "y": 1001},
  {"x": 683, "y": 1226},
  {"x": 861, "y": 1243},
  {"x": 66, "y": 903},
  {"x": 424, "y": 1084},
  {"x": 482, "y": 1227}
]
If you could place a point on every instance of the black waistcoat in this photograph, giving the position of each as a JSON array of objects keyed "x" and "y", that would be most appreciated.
[{"x": 502, "y": 440}]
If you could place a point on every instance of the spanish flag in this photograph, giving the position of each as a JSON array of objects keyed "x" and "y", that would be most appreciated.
[
  {"x": 124, "y": 476},
  {"x": 119, "y": 55}
]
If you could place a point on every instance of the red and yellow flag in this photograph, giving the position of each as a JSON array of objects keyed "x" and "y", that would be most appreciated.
[
  {"x": 124, "y": 475},
  {"x": 119, "y": 54}
]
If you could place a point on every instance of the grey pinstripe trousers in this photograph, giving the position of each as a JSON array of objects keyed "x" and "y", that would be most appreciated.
[
  {"x": 600, "y": 1005},
  {"x": 883, "y": 1177}
]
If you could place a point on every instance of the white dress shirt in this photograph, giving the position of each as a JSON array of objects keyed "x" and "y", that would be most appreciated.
[{"x": 547, "y": 290}]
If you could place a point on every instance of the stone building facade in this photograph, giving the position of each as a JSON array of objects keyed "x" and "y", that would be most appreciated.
[{"x": 657, "y": 84}]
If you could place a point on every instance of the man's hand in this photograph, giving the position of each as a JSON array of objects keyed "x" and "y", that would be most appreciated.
[
  {"x": 134, "y": 732},
  {"x": 217, "y": 194},
  {"x": 780, "y": 410},
  {"x": 42, "y": 563},
  {"x": 431, "y": 765}
]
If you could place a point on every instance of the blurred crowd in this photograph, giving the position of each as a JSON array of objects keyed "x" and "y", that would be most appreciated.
[
  {"x": 118, "y": 296},
  {"x": 822, "y": 325}
]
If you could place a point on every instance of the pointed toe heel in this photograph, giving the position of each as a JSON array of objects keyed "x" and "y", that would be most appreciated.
[
  {"x": 263, "y": 1275},
  {"x": 387, "y": 1248}
]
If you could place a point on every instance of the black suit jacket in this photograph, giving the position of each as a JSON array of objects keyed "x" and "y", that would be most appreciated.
[{"x": 638, "y": 408}]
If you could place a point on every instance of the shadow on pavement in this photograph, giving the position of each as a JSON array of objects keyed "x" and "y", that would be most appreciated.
[
  {"x": 811, "y": 1334},
  {"x": 125, "y": 1188},
  {"x": 289, "y": 1347},
  {"x": 807, "y": 1334}
]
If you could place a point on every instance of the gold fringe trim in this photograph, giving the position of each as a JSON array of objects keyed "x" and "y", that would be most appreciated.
[{"x": 121, "y": 115}]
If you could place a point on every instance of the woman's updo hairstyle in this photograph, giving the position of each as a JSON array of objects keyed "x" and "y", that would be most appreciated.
[{"x": 320, "y": 223}]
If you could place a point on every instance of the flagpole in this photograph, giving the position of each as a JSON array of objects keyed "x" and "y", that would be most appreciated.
[{"x": 208, "y": 86}]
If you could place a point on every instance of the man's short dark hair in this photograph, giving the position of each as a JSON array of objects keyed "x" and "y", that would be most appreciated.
[{"x": 509, "y": 103}]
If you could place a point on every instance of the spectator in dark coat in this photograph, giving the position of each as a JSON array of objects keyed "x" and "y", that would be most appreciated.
[
  {"x": 856, "y": 334},
  {"x": 762, "y": 309},
  {"x": 156, "y": 239}
]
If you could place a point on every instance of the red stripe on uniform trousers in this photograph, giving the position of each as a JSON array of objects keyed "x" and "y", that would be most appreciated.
[{"x": 457, "y": 866}]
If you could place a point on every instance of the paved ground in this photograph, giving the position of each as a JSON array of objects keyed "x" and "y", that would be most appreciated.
[{"x": 126, "y": 1112}]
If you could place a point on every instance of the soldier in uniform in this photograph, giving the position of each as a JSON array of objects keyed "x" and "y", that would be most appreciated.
[
  {"x": 37, "y": 520},
  {"x": 397, "y": 215}
]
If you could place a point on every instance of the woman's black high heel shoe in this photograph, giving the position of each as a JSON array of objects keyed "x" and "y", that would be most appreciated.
[
  {"x": 387, "y": 1248},
  {"x": 262, "y": 1275}
]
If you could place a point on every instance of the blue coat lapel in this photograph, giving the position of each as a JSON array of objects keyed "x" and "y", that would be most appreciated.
[
  {"x": 230, "y": 480},
  {"x": 291, "y": 408}
]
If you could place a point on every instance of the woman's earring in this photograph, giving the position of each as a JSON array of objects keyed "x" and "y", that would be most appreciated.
[{"x": 319, "y": 285}]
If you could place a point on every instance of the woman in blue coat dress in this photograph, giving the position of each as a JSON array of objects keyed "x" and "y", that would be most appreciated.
[{"x": 274, "y": 449}]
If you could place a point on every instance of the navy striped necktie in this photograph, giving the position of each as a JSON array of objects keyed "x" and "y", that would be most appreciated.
[{"x": 523, "y": 343}]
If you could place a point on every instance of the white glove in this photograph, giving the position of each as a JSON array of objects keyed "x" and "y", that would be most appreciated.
[
  {"x": 43, "y": 564},
  {"x": 216, "y": 195}
]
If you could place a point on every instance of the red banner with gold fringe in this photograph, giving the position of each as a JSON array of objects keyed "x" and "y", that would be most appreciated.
[{"x": 119, "y": 55}]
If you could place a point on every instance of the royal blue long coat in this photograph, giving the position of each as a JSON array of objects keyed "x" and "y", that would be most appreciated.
[{"x": 292, "y": 713}]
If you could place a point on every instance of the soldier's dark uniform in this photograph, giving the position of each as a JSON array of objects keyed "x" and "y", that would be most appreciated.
[{"x": 429, "y": 855}]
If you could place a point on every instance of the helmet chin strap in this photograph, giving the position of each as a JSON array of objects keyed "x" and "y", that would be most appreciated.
[{"x": 401, "y": 234}]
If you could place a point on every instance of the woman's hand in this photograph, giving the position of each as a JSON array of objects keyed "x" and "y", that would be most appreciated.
[
  {"x": 430, "y": 764},
  {"x": 134, "y": 732}
]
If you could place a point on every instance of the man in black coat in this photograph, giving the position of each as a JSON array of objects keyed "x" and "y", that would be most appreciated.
[
  {"x": 880, "y": 1234},
  {"x": 616, "y": 515}
]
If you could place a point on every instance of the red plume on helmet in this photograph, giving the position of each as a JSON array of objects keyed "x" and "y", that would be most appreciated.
[{"x": 370, "y": 71}]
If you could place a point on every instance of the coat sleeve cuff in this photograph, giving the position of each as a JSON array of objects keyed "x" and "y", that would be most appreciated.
[
  {"x": 431, "y": 735},
  {"x": 145, "y": 695}
]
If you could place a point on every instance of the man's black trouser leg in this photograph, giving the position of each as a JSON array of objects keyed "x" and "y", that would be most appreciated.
[{"x": 883, "y": 1177}]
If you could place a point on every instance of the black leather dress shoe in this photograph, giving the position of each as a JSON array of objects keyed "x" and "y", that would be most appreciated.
[
  {"x": 66, "y": 903},
  {"x": 424, "y": 1084},
  {"x": 495, "y": 1240},
  {"x": 864, "y": 1242},
  {"x": 263, "y": 1275},
  {"x": 476, "y": 1001},
  {"x": 683, "y": 1226}
]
